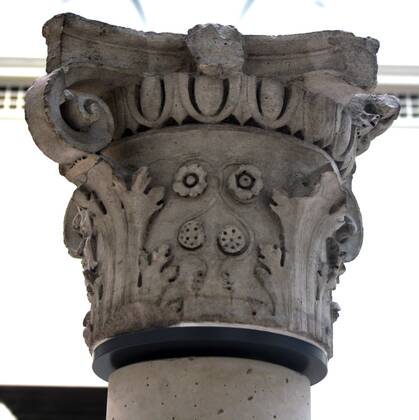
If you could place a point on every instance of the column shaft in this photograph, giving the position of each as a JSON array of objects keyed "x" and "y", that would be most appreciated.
[{"x": 207, "y": 388}]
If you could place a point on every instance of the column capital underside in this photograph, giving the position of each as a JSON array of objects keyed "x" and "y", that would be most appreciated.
[{"x": 213, "y": 171}]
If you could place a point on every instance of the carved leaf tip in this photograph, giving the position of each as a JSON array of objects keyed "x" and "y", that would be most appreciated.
[
  {"x": 372, "y": 115},
  {"x": 141, "y": 180},
  {"x": 157, "y": 266}
]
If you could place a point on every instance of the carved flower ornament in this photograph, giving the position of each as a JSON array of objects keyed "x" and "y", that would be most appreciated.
[
  {"x": 245, "y": 183},
  {"x": 190, "y": 180}
]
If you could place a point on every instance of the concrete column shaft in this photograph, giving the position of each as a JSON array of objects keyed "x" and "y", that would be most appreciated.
[{"x": 207, "y": 388}]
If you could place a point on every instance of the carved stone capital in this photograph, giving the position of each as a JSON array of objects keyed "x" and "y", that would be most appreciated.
[{"x": 213, "y": 171}]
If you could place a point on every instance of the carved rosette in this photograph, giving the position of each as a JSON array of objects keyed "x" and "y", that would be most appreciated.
[{"x": 213, "y": 183}]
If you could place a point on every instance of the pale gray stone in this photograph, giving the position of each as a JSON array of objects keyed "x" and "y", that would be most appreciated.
[
  {"x": 210, "y": 388},
  {"x": 216, "y": 49},
  {"x": 72, "y": 39},
  {"x": 213, "y": 171}
]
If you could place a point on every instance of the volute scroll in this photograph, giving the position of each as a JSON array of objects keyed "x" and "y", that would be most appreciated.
[
  {"x": 67, "y": 124},
  {"x": 213, "y": 172}
]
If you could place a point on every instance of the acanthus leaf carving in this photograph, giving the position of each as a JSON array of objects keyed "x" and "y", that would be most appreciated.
[
  {"x": 156, "y": 269},
  {"x": 371, "y": 116},
  {"x": 114, "y": 216},
  {"x": 84, "y": 225},
  {"x": 274, "y": 278},
  {"x": 115, "y": 105},
  {"x": 308, "y": 223}
]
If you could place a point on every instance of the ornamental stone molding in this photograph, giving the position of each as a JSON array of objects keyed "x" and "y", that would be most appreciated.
[{"x": 213, "y": 172}]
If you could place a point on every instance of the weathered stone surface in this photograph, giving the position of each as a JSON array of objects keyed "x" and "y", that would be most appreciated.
[
  {"x": 213, "y": 184},
  {"x": 214, "y": 388},
  {"x": 72, "y": 39},
  {"x": 217, "y": 50}
]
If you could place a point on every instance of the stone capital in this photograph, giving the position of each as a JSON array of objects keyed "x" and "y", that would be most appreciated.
[{"x": 213, "y": 172}]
